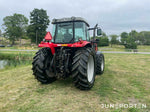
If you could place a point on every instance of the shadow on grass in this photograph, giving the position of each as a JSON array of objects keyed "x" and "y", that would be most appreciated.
[
  {"x": 59, "y": 84},
  {"x": 64, "y": 83},
  {"x": 102, "y": 86}
]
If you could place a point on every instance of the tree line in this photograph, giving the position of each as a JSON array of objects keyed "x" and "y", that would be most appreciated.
[
  {"x": 130, "y": 40},
  {"x": 16, "y": 26}
]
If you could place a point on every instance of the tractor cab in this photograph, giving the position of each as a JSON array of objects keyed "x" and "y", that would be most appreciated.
[{"x": 70, "y": 30}]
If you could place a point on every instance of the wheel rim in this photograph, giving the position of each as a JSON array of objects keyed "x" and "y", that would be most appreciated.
[
  {"x": 90, "y": 68},
  {"x": 102, "y": 65}
]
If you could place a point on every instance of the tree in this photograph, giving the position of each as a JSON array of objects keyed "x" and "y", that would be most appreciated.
[
  {"x": 124, "y": 37},
  {"x": 113, "y": 39},
  {"x": 103, "y": 40},
  {"x": 144, "y": 37},
  {"x": 0, "y": 33},
  {"x": 130, "y": 40},
  {"x": 131, "y": 44},
  {"x": 39, "y": 22},
  {"x": 15, "y": 26},
  {"x": 0, "y": 36},
  {"x": 134, "y": 35}
]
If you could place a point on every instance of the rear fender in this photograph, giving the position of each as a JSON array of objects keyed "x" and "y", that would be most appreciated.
[{"x": 47, "y": 44}]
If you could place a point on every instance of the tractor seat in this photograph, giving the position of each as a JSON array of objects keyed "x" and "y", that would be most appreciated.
[{"x": 67, "y": 37}]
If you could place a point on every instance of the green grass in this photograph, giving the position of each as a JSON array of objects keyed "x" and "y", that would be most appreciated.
[
  {"x": 113, "y": 48},
  {"x": 23, "y": 55},
  {"x": 141, "y": 48},
  {"x": 126, "y": 80}
]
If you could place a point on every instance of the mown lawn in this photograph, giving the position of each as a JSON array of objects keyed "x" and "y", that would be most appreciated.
[{"x": 126, "y": 81}]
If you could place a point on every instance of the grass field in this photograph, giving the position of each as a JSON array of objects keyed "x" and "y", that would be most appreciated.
[
  {"x": 140, "y": 48},
  {"x": 17, "y": 55},
  {"x": 126, "y": 81}
]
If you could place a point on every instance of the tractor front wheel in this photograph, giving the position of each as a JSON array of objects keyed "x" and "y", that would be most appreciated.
[
  {"x": 100, "y": 63},
  {"x": 83, "y": 68}
]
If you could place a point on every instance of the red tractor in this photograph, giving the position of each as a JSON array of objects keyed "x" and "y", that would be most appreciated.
[{"x": 69, "y": 52}]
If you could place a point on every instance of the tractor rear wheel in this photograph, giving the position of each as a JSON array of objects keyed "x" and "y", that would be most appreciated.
[
  {"x": 41, "y": 66},
  {"x": 83, "y": 68},
  {"x": 100, "y": 63}
]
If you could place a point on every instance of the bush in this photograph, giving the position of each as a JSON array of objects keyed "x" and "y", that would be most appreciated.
[
  {"x": 132, "y": 45},
  {"x": 104, "y": 41}
]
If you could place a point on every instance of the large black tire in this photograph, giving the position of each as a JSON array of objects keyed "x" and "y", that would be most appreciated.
[
  {"x": 41, "y": 66},
  {"x": 100, "y": 64},
  {"x": 83, "y": 76}
]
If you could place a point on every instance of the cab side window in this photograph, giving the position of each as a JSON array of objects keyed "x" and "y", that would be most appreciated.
[{"x": 80, "y": 31}]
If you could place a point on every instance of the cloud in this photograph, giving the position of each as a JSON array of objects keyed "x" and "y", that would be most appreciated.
[{"x": 114, "y": 16}]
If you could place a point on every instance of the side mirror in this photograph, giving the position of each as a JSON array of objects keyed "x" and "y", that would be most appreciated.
[{"x": 99, "y": 32}]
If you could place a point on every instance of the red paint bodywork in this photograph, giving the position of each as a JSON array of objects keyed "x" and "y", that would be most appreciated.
[
  {"x": 53, "y": 45},
  {"x": 48, "y": 37}
]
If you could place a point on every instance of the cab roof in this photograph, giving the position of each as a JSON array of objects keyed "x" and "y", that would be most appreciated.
[{"x": 71, "y": 19}]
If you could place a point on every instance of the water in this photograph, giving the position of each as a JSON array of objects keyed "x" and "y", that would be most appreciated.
[
  {"x": 13, "y": 63},
  {"x": 3, "y": 63}
]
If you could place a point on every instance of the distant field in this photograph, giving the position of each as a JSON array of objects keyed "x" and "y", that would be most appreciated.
[
  {"x": 141, "y": 48},
  {"x": 108, "y": 48},
  {"x": 126, "y": 80},
  {"x": 25, "y": 44}
]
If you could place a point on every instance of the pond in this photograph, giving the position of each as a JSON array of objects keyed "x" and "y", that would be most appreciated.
[
  {"x": 3, "y": 63},
  {"x": 13, "y": 63}
]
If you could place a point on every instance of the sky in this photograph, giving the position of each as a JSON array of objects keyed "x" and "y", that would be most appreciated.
[{"x": 113, "y": 16}]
